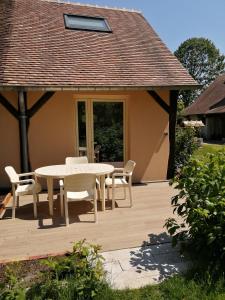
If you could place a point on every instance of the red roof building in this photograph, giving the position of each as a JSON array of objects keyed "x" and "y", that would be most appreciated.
[
  {"x": 59, "y": 61},
  {"x": 210, "y": 106}
]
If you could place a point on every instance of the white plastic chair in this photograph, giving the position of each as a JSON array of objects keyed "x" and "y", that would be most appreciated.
[
  {"x": 76, "y": 188},
  {"x": 80, "y": 160},
  {"x": 122, "y": 177},
  {"x": 76, "y": 160},
  {"x": 22, "y": 187}
]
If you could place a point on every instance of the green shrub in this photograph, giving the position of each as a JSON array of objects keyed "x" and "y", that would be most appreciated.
[
  {"x": 200, "y": 204},
  {"x": 12, "y": 287},
  {"x": 79, "y": 274},
  {"x": 185, "y": 145}
]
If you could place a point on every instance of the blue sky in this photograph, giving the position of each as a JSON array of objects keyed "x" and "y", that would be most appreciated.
[{"x": 177, "y": 20}]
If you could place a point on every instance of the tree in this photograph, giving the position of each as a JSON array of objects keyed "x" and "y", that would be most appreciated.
[{"x": 203, "y": 61}]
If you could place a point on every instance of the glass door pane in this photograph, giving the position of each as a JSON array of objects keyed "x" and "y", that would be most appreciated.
[
  {"x": 82, "y": 131},
  {"x": 108, "y": 131}
]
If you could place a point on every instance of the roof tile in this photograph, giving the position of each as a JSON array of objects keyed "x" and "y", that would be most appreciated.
[{"x": 37, "y": 50}]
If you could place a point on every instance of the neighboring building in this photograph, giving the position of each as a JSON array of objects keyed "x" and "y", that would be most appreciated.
[
  {"x": 210, "y": 107},
  {"x": 73, "y": 75}
]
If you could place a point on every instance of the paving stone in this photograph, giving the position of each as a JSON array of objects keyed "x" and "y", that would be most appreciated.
[
  {"x": 112, "y": 255},
  {"x": 142, "y": 260},
  {"x": 132, "y": 279},
  {"x": 131, "y": 258},
  {"x": 113, "y": 269},
  {"x": 168, "y": 258},
  {"x": 162, "y": 248},
  {"x": 168, "y": 270},
  {"x": 136, "y": 267}
]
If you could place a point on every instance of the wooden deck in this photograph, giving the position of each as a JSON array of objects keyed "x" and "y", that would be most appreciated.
[{"x": 123, "y": 227}]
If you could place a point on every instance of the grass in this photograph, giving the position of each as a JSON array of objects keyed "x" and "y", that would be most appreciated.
[
  {"x": 201, "y": 152},
  {"x": 175, "y": 288}
]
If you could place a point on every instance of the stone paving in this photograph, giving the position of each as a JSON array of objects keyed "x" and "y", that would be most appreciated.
[{"x": 137, "y": 267}]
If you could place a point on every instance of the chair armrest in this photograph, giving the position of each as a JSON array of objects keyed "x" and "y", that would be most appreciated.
[
  {"x": 118, "y": 170},
  {"x": 24, "y": 181},
  {"x": 120, "y": 174},
  {"x": 26, "y": 174}
]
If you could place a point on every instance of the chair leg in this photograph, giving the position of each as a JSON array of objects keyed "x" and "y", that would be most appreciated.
[
  {"x": 14, "y": 206},
  {"x": 18, "y": 201},
  {"x": 95, "y": 209},
  {"x": 66, "y": 210},
  {"x": 113, "y": 197},
  {"x": 37, "y": 198},
  {"x": 61, "y": 201},
  {"x": 35, "y": 205},
  {"x": 99, "y": 188},
  {"x": 124, "y": 193},
  {"x": 131, "y": 199},
  {"x": 108, "y": 197}
]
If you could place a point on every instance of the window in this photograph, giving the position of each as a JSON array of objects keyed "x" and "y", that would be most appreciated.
[{"x": 86, "y": 23}]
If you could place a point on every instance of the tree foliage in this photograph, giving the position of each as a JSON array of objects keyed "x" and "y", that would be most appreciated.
[{"x": 203, "y": 61}]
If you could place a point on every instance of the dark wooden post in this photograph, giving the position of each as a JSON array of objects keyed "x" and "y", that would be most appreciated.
[
  {"x": 23, "y": 115},
  {"x": 172, "y": 132},
  {"x": 23, "y": 129}
]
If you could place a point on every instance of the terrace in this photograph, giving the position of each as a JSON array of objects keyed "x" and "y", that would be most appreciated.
[{"x": 123, "y": 227}]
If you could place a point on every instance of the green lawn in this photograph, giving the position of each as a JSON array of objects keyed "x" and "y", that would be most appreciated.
[
  {"x": 176, "y": 288},
  {"x": 201, "y": 152}
]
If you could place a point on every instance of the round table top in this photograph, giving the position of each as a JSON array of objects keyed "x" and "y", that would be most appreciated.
[{"x": 60, "y": 171}]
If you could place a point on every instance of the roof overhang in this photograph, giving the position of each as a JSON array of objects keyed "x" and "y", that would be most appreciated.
[{"x": 80, "y": 88}]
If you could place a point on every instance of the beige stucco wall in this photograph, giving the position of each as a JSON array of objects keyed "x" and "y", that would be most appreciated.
[
  {"x": 9, "y": 140},
  {"x": 148, "y": 136},
  {"x": 52, "y": 132}
]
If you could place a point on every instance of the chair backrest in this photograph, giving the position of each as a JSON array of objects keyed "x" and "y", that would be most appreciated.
[
  {"x": 129, "y": 167},
  {"x": 97, "y": 148},
  {"x": 13, "y": 176},
  {"x": 76, "y": 160},
  {"x": 80, "y": 182}
]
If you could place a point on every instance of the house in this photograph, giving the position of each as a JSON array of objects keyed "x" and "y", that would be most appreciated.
[
  {"x": 210, "y": 107},
  {"x": 75, "y": 78}
]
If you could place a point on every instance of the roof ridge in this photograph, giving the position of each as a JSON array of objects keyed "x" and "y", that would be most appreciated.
[{"x": 94, "y": 5}]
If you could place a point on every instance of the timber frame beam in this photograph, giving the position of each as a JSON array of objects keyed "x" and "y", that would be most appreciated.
[
  {"x": 171, "y": 110},
  {"x": 11, "y": 109},
  {"x": 172, "y": 133},
  {"x": 160, "y": 101},
  {"x": 39, "y": 103},
  {"x": 23, "y": 115}
]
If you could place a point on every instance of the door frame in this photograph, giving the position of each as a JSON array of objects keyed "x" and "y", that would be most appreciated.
[{"x": 89, "y": 100}]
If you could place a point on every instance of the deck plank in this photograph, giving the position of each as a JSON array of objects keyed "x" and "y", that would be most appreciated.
[{"x": 121, "y": 228}]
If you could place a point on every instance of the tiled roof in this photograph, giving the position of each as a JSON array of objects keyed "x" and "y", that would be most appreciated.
[
  {"x": 211, "y": 101},
  {"x": 37, "y": 51}
]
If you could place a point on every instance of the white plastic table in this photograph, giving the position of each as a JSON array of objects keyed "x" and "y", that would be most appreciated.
[{"x": 61, "y": 171}]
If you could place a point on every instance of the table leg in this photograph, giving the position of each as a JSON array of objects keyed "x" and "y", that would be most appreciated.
[
  {"x": 102, "y": 185},
  {"x": 50, "y": 194}
]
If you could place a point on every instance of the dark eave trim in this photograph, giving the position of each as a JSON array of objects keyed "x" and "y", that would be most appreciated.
[{"x": 79, "y": 88}]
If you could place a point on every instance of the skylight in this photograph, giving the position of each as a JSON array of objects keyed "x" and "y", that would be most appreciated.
[{"x": 86, "y": 23}]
